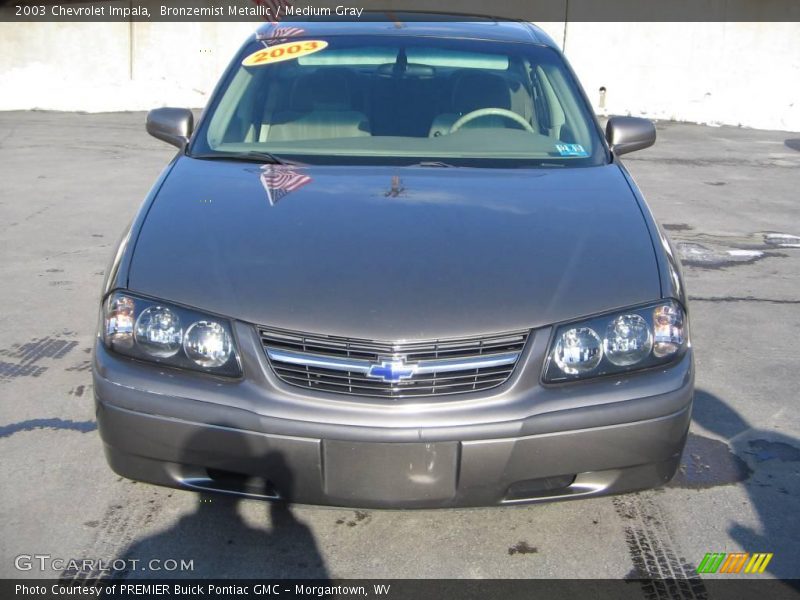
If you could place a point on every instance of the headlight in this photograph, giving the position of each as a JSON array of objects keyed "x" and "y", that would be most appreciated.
[
  {"x": 208, "y": 344},
  {"x": 170, "y": 335},
  {"x": 616, "y": 343},
  {"x": 578, "y": 350},
  {"x": 669, "y": 330},
  {"x": 158, "y": 332},
  {"x": 628, "y": 340},
  {"x": 118, "y": 323}
]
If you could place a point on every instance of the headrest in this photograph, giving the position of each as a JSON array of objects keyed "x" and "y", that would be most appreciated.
[
  {"x": 326, "y": 89},
  {"x": 474, "y": 89}
]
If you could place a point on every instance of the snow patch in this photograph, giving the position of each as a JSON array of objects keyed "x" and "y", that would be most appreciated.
[{"x": 783, "y": 240}]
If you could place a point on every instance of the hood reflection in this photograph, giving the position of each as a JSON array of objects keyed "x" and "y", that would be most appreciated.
[{"x": 281, "y": 180}]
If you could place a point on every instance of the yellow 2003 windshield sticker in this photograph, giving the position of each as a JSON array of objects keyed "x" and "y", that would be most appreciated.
[{"x": 281, "y": 52}]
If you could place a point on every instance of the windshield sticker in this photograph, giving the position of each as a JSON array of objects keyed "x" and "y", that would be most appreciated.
[
  {"x": 571, "y": 150},
  {"x": 282, "y": 52}
]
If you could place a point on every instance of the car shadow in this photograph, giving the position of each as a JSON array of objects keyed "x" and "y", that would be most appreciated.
[
  {"x": 792, "y": 143},
  {"x": 773, "y": 484},
  {"x": 222, "y": 543}
]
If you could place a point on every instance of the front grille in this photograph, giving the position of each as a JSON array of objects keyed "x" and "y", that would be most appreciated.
[{"x": 341, "y": 365}]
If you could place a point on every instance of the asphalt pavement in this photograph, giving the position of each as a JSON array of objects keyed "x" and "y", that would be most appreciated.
[{"x": 730, "y": 199}]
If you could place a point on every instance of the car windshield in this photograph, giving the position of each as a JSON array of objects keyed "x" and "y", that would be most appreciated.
[{"x": 400, "y": 99}]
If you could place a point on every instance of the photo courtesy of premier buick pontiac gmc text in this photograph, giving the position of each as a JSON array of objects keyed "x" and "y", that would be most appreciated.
[{"x": 396, "y": 264}]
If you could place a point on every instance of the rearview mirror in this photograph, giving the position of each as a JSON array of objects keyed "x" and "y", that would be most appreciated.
[
  {"x": 628, "y": 134},
  {"x": 171, "y": 125}
]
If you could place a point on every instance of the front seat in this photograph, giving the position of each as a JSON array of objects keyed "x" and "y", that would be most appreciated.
[
  {"x": 320, "y": 107},
  {"x": 473, "y": 90}
]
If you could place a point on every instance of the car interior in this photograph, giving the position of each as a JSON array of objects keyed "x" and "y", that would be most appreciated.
[{"x": 298, "y": 101}]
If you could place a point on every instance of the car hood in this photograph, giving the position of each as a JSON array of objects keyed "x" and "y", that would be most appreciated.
[{"x": 395, "y": 253}]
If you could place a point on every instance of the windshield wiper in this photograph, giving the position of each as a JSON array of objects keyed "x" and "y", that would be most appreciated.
[
  {"x": 434, "y": 163},
  {"x": 250, "y": 156},
  {"x": 444, "y": 165}
]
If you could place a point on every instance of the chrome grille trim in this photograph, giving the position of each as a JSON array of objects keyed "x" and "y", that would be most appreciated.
[
  {"x": 307, "y": 359},
  {"x": 437, "y": 367},
  {"x": 423, "y": 367}
]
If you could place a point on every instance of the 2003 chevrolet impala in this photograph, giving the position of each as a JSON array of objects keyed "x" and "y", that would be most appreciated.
[{"x": 396, "y": 266}]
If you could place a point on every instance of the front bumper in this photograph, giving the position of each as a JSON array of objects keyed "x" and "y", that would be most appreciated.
[{"x": 532, "y": 443}]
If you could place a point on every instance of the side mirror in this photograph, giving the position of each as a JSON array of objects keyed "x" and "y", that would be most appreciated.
[
  {"x": 628, "y": 134},
  {"x": 171, "y": 125}
]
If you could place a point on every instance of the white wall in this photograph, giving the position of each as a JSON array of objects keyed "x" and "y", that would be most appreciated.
[
  {"x": 718, "y": 73},
  {"x": 98, "y": 67},
  {"x": 721, "y": 73}
]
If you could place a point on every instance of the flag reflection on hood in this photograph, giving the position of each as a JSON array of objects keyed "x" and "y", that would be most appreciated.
[{"x": 281, "y": 180}]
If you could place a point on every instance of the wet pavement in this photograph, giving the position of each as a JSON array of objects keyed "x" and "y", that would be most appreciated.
[
  {"x": 727, "y": 197},
  {"x": 707, "y": 463}
]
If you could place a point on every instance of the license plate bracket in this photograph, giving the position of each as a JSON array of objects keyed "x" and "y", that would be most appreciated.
[{"x": 388, "y": 473}]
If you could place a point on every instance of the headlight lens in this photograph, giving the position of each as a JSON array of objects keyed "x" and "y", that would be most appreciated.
[
  {"x": 118, "y": 329},
  {"x": 669, "y": 330},
  {"x": 578, "y": 350},
  {"x": 628, "y": 340},
  {"x": 208, "y": 344},
  {"x": 633, "y": 339},
  {"x": 159, "y": 332},
  {"x": 154, "y": 331}
]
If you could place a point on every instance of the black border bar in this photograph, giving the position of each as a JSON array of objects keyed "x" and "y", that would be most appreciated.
[
  {"x": 405, "y": 589},
  {"x": 400, "y": 10}
]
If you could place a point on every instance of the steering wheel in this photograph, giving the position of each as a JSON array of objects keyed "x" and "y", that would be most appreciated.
[{"x": 486, "y": 112}]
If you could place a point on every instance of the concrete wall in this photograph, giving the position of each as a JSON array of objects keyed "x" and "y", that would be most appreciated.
[
  {"x": 717, "y": 73},
  {"x": 97, "y": 67},
  {"x": 721, "y": 73}
]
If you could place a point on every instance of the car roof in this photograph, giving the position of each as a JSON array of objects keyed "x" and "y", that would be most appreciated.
[{"x": 416, "y": 24}]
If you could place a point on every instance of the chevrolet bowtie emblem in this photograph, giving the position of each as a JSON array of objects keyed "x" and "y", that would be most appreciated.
[{"x": 392, "y": 370}]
